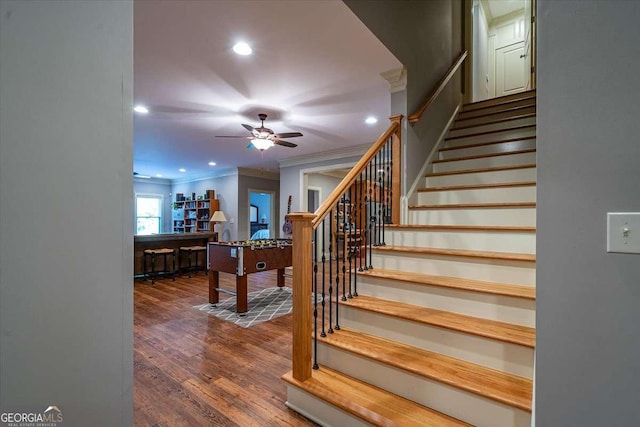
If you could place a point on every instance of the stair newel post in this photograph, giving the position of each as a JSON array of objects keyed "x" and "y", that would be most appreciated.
[
  {"x": 323, "y": 333},
  {"x": 302, "y": 262},
  {"x": 396, "y": 169}
]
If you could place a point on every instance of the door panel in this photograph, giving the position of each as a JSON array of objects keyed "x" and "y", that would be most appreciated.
[{"x": 510, "y": 76}]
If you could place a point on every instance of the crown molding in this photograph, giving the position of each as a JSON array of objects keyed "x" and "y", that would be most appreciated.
[
  {"x": 397, "y": 79},
  {"x": 152, "y": 180},
  {"x": 355, "y": 150},
  {"x": 203, "y": 177}
]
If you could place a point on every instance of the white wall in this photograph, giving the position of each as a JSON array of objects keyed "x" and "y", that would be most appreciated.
[
  {"x": 480, "y": 53},
  {"x": 66, "y": 294},
  {"x": 587, "y": 307}
]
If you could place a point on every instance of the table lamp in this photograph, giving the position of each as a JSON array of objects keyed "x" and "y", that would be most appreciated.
[{"x": 218, "y": 216}]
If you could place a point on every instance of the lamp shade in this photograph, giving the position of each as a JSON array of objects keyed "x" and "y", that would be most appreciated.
[{"x": 218, "y": 216}]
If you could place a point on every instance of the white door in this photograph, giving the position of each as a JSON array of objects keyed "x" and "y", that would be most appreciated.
[{"x": 510, "y": 76}]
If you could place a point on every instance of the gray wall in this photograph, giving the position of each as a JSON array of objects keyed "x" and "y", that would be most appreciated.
[
  {"x": 226, "y": 188},
  {"x": 426, "y": 36},
  {"x": 66, "y": 297},
  {"x": 146, "y": 186},
  {"x": 291, "y": 183},
  {"x": 588, "y": 353}
]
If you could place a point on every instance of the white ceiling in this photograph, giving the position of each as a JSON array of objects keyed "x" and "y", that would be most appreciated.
[
  {"x": 315, "y": 69},
  {"x": 498, "y": 8}
]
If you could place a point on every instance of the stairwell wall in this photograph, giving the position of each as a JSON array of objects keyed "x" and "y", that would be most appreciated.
[
  {"x": 588, "y": 351},
  {"x": 426, "y": 36}
]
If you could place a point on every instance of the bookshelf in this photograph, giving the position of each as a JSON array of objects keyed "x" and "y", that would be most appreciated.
[{"x": 192, "y": 216}]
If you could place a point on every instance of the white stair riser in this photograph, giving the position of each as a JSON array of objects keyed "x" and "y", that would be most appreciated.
[
  {"x": 491, "y": 117},
  {"x": 319, "y": 411},
  {"x": 495, "y": 354},
  {"x": 499, "y": 241},
  {"x": 493, "y": 127},
  {"x": 491, "y": 177},
  {"x": 486, "y": 162},
  {"x": 479, "y": 195},
  {"x": 472, "y": 216},
  {"x": 503, "y": 101},
  {"x": 525, "y": 144},
  {"x": 519, "y": 311},
  {"x": 491, "y": 137},
  {"x": 465, "y": 114},
  {"x": 460, "y": 404},
  {"x": 489, "y": 270}
]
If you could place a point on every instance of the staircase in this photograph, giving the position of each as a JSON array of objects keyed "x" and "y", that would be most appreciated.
[{"x": 442, "y": 330}]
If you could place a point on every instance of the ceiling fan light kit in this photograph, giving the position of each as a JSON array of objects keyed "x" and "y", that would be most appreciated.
[{"x": 264, "y": 138}]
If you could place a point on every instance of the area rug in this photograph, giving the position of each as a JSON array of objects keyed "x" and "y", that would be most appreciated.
[{"x": 264, "y": 305}]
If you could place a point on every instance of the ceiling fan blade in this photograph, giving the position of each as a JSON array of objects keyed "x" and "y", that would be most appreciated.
[
  {"x": 288, "y": 135},
  {"x": 248, "y": 127},
  {"x": 285, "y": 143}
]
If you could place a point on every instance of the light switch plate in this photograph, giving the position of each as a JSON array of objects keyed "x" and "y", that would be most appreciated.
[{"x": 623, "y": 232}]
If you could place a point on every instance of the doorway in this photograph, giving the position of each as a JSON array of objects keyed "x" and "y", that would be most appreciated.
[
  {"x": 501, "y": 42},
  {"x": 313, "y": 198},
  {"x": 261, "y": 214}
]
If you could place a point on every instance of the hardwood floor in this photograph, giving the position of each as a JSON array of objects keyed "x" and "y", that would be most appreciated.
[{"x": 193, "y": 369}]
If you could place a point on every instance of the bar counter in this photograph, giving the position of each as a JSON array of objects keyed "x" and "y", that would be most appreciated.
[{"x": 171, "y": 241}]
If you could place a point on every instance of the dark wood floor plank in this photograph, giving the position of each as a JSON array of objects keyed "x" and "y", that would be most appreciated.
[{"x": 194, "y": 369}]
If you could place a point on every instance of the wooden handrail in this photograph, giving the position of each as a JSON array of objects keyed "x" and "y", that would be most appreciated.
[
  {"x": 348, "y": 180},
  {"x": 415, "y": 117}
]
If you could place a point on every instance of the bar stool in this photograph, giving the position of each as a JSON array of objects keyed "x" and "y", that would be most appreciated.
[
  {"x": 189, "y": 250},
  {"x": 152, "y": 253}
]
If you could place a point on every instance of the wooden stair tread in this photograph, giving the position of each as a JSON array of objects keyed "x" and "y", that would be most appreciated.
[
  {"x": 490, "y": 132},
  {"x": 475, "y": 206},
  {"x": 482, "y": 144},
  {"x": 506, "y": 100},
  {"x": 503, "y": 387},
  {"x": 482, "y": 156},
  {"x": 463, "y": 227},
  {"x": 505, "y": 256},
  {"x": 475, "y": 114},
  {"x": 493, "y": 329},
  {"x": 369, "y": 403},
  {"x": 516, "y": 291},
  {"x": 481, "y": 170},
  {"x": 478, "y": 186},
  {"x": 493, "y": 122}
]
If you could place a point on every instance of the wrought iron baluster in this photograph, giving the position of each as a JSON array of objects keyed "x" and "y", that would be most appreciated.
[
  {"x": 351, "y": 241},
  {"x": 324, "y": 259},
  {"x": 344, "y": 245},
  {"x": 315, "y": 298},
  {"x": 371, "y": 216},
  {"x": 330, "y": 217},
  {"x": 337, "y": 327}
]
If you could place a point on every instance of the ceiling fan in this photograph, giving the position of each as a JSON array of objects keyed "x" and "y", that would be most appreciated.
[{"x": 263, "y": 138}]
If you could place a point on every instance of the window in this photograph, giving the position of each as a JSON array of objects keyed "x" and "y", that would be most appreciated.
[{"x": 148, "y": 213}]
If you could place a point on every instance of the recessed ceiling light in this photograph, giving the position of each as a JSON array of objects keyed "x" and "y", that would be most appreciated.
[
  {"x": 371, "y": 120},
  {"x": 158, "y": 175},
  {"x": 182, "y": 170},
  {"x": 241, "y": 48},
  {"x": 212, "y": 163},
  {"x": 141, "y": 109}
]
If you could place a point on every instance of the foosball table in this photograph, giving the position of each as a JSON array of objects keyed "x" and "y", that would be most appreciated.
[{"x": 243, "y": 258}]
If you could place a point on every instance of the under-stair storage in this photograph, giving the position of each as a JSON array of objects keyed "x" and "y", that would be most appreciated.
[{"x": 432, "y": 323}]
